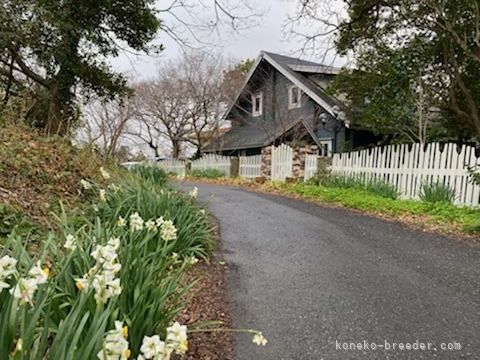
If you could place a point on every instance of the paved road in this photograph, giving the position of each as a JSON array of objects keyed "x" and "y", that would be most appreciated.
[{"x": 309, "y": 276}]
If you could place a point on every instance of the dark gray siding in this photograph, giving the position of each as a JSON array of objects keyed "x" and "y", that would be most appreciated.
[{"x": 276, "y": 113}]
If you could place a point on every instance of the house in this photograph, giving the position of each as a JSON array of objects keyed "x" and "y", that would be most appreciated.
[{"x": 283, "y": 100}]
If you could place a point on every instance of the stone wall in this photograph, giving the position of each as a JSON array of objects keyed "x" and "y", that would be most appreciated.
[
  {"x": 299, "y": 153},
  {"x": 298, "y": 168},
  {"x": 266, "y": 168}
]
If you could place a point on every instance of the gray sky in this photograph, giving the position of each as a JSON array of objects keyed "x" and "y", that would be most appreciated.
[{"x": 267, "y": 35}]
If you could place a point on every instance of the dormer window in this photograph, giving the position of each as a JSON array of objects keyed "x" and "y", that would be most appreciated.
[
  {"x": 257, "y": 104},
  {"x": 294, "y": 97}
]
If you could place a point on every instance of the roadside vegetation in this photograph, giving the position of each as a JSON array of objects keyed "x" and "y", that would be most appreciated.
[
  {"x": 441, "y": 216},
  {"x": 93, "y": 258},
  {"x": 206, "y": 173}
]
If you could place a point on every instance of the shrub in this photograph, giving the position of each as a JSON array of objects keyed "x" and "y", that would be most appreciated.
[
  {"x": 434, "y": 192},
  {"x": 323, "y": 174},
  {"x": 207, "y": 173}
]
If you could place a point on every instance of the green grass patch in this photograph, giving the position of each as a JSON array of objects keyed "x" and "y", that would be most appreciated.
[
  {"x": 206, "y": 173},
  {"x": 467, "y": 218}
]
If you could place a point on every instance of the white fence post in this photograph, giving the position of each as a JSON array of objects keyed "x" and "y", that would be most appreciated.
[
  {"x": 212, "y": 161},
  {"x": 311, "y": 166},
  {"x": 408, "y": 167},
  {"x": 173, "y": 166},
  {"x": 250, "y": 166},
  {"x": 282, "y": 162}
]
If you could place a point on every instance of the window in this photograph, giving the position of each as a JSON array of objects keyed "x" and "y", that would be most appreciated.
[
  {"x": 326, "y": 148},
  {"x": 294, "y": 97},
  {"x": 257, "y": 104}
]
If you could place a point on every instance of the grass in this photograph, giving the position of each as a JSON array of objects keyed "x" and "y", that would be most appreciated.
[
  {"x": 152, "y": 173},
  {"x": 444, "y": 217},
  {"x": 206, "y": 173},
  {"x": 437, "y": 192},
  {"x": 364, "y": 200}
]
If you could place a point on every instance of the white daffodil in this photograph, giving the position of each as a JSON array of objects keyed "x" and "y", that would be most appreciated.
[
  {"x": 70, "y": 243},
  {"x": 82, "y": 284},
  {"x": 39, "y": 275},
  {"x": 151, "y": 225},
  {"x": 159, "y": 221},
  {"x": 112, "y": 268},
  {"x": 104, "y": 254},
  {"x": 168, "y": 231},
  {"x": 177, "y": 338},
  {"x": 136, "y": 222},
  {"x": 102, "y": 275},
  {"x": 7, "y": 269},
  {"x": 24, "y": 290},
  {"x": 121, "y": 222},
  {"x": 105, "y": 287},
  {"x": 114, "y": 243},
  {"x": 115, "y": 344},
  {"x": 194, "y": 192},
  {"x": 115, "y": 188},
  {"x": 85, "y": 184},
  {"x": 103, "y": 195},
  {"x": 104, "y": 173},
  {"x": 259, "y": 339},
  {"x": 192, "y": 260},
  {"x": 153, "y": 347}
]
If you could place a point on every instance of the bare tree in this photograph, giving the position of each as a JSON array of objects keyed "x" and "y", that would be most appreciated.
[
  {"x": 162, "y": 108},
  {"x": 106, "y": 123},
  {"x": 202, "y": 75}
]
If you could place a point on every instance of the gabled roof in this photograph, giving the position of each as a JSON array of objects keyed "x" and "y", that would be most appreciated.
[
  {"x": 285, "y": 65},
  {"x": 249, "y": 135}
]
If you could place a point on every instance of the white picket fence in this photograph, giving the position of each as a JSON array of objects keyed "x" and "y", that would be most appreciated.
[
  {"x": 408, "y": 167},
  {"x": 212, "y": 161},
  {"x": 173, "y": 166},
  {"x": 250, "y": 166},
  {"x": 282, "y": 162},
  {"x": 311, "y": 166}
]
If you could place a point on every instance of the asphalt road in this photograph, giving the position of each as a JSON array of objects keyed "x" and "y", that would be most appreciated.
[{"x": 313, "y": 278}]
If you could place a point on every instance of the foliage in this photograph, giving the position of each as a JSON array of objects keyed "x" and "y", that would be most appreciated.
[
  {"x": 390, "y": 93},
  {"x": 206, "y": 173},
  {"x": 398, "y": 42},
  {"x": 475, "y": 175},
  {"x": 233, "y": 79},
  {"x": 153, "y": 174},
  {"x": 64, "y": 45},
  {"x": 374, "y": 186},
  {"x": 443, "y": 214},
  {"x": 437, "y": 192},
  {"x": 68, "y": 319}
]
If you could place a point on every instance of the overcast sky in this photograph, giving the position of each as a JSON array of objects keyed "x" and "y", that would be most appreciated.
[{"x": 267, "y": 35}]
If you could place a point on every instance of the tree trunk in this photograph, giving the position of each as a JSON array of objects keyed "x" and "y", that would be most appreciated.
[{"x": 175, "y": 148}]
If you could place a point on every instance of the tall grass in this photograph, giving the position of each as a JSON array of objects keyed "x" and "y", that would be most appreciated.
[
  {"x": 434, "y": 192},
  {"x": 151, "y": 173},
  {"x": 64, "y": 320},
  {"x": 378, "y": 187},
  {"x": 206, "y": 173}
]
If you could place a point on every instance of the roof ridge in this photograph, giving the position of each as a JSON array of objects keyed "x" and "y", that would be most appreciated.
[{"x": 297, "y": 59}]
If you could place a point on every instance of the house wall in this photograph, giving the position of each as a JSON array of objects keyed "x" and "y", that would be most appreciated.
[{"x": 275, "y": 89}]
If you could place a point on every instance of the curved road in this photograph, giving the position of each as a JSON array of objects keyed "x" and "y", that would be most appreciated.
[{"x": 317, "y": 279}]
